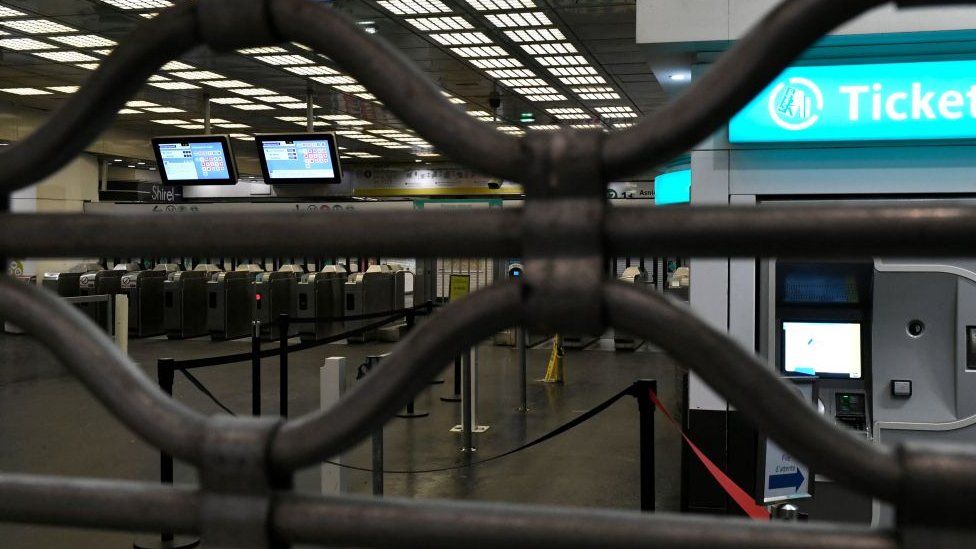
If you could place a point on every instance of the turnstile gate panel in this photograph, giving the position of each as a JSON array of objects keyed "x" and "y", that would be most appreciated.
[
  {"x": 185, "y": 304},
  {"x": 145, "y": 292},
  {"x": 229, "y": 305}
]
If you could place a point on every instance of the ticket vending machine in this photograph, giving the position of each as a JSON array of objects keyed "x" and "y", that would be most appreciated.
[
  {"x": 320, "y": 296},
  {"x": 229, "y": 302},
  {"x": 274, "y": 294},
  {"x": 185, "y": 302}
]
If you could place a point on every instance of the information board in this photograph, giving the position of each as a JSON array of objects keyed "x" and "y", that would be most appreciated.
[
  {"x": 299, "y": 158},
  {"x": 460, "y": 287},
  {"x": 203, "y": 160},
  {"x": 780, "y": 477}
]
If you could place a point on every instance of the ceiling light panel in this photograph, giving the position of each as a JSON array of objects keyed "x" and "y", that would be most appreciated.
[
  {"x": 63, "y": 89},
  {"x": 141, "y": 104},
  {"x": 25, "y": 44},
  {"x": 198, "y": 75},
  {"x": 489, "y": 51},
  {"x": 519, "y": 19},
  {"x": 414, "y": 7},
  {"x": 254, "y": 92},
  {"x": 164, "y": 110},
  {"x": 549, "y": 48},
  {"x": 230, "y": 100},
  {"x": 535, "y": 35},
  {"x": 226, "y": 84},
  {"x": 550, "y": 98},
  {"x": 9, "y": 12},
  {"x": 65, "y": 56},
  {"x": 499, "y": 5},
  {"x": 499, "y": 63},
  {"x": 138, "y": 4},
  {"x": 129, "y": 111},
  {"x": 170, "y": 122},
  {"x": 25, "y": 91},
  {"x": 435, "y": 24},
  {"x": 334, "y": 80},
  {"x": 461, "y": 39},
  {"x": 284, "y": 60},
  {"x": 262, "y": 51},
  {"x": 84, "y": 41},
  {"x": 523, "y": 82},
  {"x": 582, "y": 80},
  {"x": 311, "y": 70},
  {"x": 38, "y": 26},
  {"x": 511, "y": 73},
  {"x": 572, "y": 71},
  {"x": 177, "y": 66},
  {"x": 174, "y": 85},
  {"x": 253, "y": 107}
]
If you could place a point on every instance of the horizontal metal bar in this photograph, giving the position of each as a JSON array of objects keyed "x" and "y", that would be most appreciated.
[
  {"x": 392, "y": 522},
  {"x": 110, "y": 375},
  {"x": 794, "y": 231},
  {"x": 767, "y": 231},
  {"x": 423, "y": 234},
  {"x": 755, "y": 390},
  {"x": 90, "y": 503}
]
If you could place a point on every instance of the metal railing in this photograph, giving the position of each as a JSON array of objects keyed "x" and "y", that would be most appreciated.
[{"x": 565, "y": 232}]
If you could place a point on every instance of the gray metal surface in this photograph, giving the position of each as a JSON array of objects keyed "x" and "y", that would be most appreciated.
[{"x": 565, "y": 233}]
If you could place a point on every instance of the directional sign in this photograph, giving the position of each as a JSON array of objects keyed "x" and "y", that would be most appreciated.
[{"x": 781, "y": 477}]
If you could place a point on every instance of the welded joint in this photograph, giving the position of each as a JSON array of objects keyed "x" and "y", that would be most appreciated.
[
  {"x": 938, "y": 488},
  {"x": 563, "y": 233},
  {"x": 238, "y": 483},
  {"x": 228, "y": 25}
]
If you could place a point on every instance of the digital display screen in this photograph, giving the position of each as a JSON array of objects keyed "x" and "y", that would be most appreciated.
[
  {"x": 299, "y": 158},
  {"x": 822, "y": 348},
  {"x": 195, "y": 160}
]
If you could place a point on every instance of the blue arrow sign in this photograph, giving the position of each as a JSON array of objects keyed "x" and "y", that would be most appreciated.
[{"x": 794, "y": 479}]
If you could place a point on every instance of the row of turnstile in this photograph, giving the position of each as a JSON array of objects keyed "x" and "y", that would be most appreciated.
[{"x": 224, "y": 304}]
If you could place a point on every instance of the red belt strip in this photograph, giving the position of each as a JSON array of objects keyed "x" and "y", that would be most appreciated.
[{"x": 741, "y": 498}]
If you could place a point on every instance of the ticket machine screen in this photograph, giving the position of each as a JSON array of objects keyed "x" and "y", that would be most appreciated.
[
  {"x": 299, "y": 158},
  {"x": 831, "y": 349},
  {"x": 195, "y": 160}
]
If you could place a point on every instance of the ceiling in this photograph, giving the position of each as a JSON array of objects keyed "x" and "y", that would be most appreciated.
[{"x": 565, "y": 62}]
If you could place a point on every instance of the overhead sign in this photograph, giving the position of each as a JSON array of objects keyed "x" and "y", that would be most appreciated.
[
  {"x": 877, "y": 102},
  {"x": 673, "y": 188}
]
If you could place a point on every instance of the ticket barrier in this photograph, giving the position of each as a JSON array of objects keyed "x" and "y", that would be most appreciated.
[
  {"x": 102, "y": 282},
  {"x": 275, "y": 294},
  {"x": 67, "y": 284},
  {"x": 229, "y": 302},
  {"x": 145, "y": 292},
  {"x": 320, "y": 295},
  {"x": 638, "y": 277},
  {"x": 424, "y": 282},
  {"x": 369, "y": 293},
  {"x": 185, "y": 302}
]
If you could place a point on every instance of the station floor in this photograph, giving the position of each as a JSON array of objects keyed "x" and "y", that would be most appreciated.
[{"x": 49, "y": 424}]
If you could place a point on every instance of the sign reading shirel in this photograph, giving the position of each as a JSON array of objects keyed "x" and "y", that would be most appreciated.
[{"x": 895, "y": 101}]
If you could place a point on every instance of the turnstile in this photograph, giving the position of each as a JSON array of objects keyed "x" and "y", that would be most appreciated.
[
  {"x": 145, "y": 292},
  {"x": 275, "y": 294},
  {"x": 369, "y": 293},
  {"x": 67, "y": 284},
  {"x": 424, "y": 282},
  {"x": 229, "y": 303},
  {"x": 320, "y": 295},
  {"x": 102, "y": 283},
  {"x": 185, "y": 302}
]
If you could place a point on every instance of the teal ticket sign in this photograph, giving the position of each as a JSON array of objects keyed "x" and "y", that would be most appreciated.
[{"x": 877, "y": 102}]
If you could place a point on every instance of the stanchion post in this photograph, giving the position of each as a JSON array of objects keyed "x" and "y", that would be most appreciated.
[
  {"x": 467, "y": 403},
  {"x": 283, "y": 321},
  {"x": 378, "y": 462},
  {"x": 256, "y": 368},
  {"x": 520, "y": 341},
  {"x": 165, "y": 374},
  {"x": 411, "y": 412},
  {"x": 456, "y": 397},
  {"x": 645, "y": 408}
]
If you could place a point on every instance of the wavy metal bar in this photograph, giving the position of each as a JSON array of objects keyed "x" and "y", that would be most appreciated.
[
  {"x": 395, "y": 522},
  {"x": 424, "y": 353},
  {"x": 91, "y": 503},
  {"x": 755, "y": 390},
  {"x": 91, "y": 109},
  {"x": 108, "y": 373},
  {"x": 431, "y": 233},
  {"x": 728, "y": 86}
]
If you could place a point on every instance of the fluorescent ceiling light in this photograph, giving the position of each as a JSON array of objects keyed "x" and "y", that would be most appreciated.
[
  {"x": 253, "y": 107},
  {"x": 519, "y": 19},
  {"x": 174, "y": 85},
  {"x": 578, "y": 80},
  {"x": 140, "y": 104},
  {"x": 278, "y": 99},
  {"x": 311, "y": 70},
  {"x": 572, "y": 71},
  {"x": 599, "y": 96},
  {"x": 25, "y": 91},
  {"x": 295, "y": 119},
  {"x": 334, "y": 80},
  {"x": 170, "y": 122},
  {"x": 63, "y": 89},
  {"x": 434, "y": 24},
  {"x": 65, "y": 56},
  {"x": 138, "y": 4},
  {"x": 102, "y": 52},
  {"x": 414, "y": 7},
  {"x": 164, "y": 110},
  {"x": 282, "y": 60},
  {"x": 484, "y": 51},
  {"x": 212, "y": 121},
  {"x": 511, "y": 73},
  {"x": 353, "y": 123},
  {"x": 622, "y": 125},
  {"x": 262, "y": 51},
  {"x": 461, "y": 38},
  {"x": 497, "y": 63},
  {"x": 225, "y": 84},
  {"x": 294, "y": 106},
  {"x": 549, "y": 48},
  {"x": 562, "y": 61},
  {"x": 87, "y": 66},
  {"x": 177, "y": 66},
  {"x": 242, "y": 136},
  {"x": 231, "y": 125},
  {"x": 498, "y": 5},
  {"x": 198, "y": 75},
  {"x": 549, "y": 98},
  {"x": 192, "y": 126},
  {"x": 25, "y": 44},
  {"x": 680, "y": 76},
  {"x": 337, "y": 117},
  {"x": 254, "y": 92},
  {"x": 535, "y": 35},
  {"x": 352, "y": 88},
  {"x": 523, "y": 82},
  {"x": 10, "y": 12},
  {"x": 37, "y": 26},
  {"x": 85, "y": 41},
  {"x": 129, "y": 111},
  {"x": 544, "y": 127}
]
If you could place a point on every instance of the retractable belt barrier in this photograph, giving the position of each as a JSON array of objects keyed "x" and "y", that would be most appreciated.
[{"x": 565, "y": 233}]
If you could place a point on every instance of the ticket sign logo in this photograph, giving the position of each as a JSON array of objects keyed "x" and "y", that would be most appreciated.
[{"x": 878, "y": 102}]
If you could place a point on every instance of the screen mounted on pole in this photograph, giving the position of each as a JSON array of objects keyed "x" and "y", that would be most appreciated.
[
  {"x": 309, "y": 158},
  {"x": 195, "y": 160}
]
